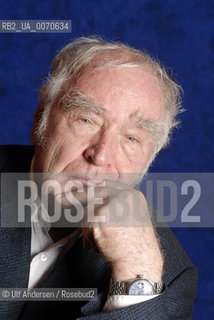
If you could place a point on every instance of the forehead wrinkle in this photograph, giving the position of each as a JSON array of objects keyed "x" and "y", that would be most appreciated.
[{"x": 75, "y": 99}]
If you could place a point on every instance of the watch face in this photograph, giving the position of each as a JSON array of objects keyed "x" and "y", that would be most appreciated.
[{"x": 141, "y": 287}]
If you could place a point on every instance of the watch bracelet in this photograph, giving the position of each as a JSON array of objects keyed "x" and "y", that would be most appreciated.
[
  {"x": 117, "y": 288},
  {"x": 120, "y": 287}
]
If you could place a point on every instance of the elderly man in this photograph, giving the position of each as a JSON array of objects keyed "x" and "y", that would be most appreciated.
[{"x": 105, "y": 111}]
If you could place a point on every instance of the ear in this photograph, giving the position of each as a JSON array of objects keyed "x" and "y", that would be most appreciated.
[{"x": 36, "y": 119}]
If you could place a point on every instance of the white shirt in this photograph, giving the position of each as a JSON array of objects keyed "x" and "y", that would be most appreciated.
[{"x": 44, "y": 252}]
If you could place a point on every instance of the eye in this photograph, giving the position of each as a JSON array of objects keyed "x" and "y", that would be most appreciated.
[
  {"x": 85, "y": 121},
  {"x": 132, "y": 139}
]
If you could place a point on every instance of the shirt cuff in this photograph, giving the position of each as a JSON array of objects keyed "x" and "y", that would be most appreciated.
[{"x": 115, "y": 302}]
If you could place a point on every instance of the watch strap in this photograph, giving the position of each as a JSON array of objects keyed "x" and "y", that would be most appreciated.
[
  {"x": 117, "y": 287},
  {"x": 121, "y": 287}
]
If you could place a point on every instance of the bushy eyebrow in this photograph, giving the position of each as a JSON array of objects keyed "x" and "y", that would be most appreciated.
[
  {"x": 75, "y": 99},
  {"x": 154, "y": 127}
]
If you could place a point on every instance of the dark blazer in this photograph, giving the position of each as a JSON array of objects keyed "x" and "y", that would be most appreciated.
[{"x": 81, "y": 268}]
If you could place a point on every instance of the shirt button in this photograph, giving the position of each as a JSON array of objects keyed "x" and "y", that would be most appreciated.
[{"x": 43, "y": 257}]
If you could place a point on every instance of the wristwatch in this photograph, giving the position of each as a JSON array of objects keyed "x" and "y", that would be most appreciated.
[{"x": 138, "y": 286}]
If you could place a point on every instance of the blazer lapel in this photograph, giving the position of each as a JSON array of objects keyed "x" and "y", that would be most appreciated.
[
  {"x": 81, "y": 268},
  {"x": 77, "y": 269}
]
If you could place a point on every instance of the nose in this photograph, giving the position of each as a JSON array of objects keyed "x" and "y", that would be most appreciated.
[{"x": 102, "y": 151}]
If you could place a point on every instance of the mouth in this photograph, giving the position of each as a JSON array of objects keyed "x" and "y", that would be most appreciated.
[{"x": 87, "y": 181}]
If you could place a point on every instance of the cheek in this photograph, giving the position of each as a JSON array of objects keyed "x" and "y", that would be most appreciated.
[
  {"x": 65, "y": 153},
  {"x": 63, "y": 145},
  {"x": 139, "y": 161},
  {"x": 61, "y": 151},
  {"x": 147, "y": 155}
]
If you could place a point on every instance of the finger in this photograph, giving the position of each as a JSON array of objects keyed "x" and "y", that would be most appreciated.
[
  {"x": 116, "y": 184},
  {"x": 103, "y": 190}
]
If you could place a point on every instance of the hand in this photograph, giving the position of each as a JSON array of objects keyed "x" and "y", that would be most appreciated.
[{"x": 129, "y": 249}]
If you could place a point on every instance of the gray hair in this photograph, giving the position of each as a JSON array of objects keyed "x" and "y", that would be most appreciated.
[{"x": 71, "y": 62}]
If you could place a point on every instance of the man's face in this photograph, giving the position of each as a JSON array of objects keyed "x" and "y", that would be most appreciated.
[{"x": 109, "y": 144}]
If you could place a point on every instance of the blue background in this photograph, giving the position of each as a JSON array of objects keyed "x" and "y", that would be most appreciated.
[{"x": 178, "y": 32}]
